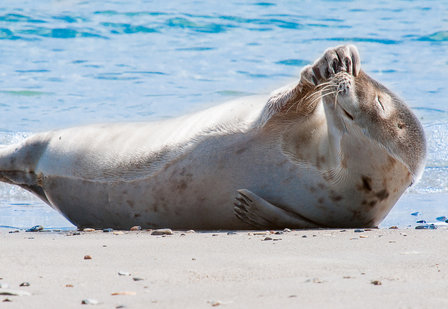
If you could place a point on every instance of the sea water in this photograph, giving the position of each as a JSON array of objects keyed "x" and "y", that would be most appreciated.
[{"x": 72, "y": 62}]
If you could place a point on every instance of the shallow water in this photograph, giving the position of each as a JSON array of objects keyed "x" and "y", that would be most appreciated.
[{"x": 68, "y": 62}]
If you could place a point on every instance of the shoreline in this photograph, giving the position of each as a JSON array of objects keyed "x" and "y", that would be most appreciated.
[{"x": 387, "y": 268}]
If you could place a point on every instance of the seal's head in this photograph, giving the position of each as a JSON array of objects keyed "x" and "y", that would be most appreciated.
[{"x": 361, "y": 105}]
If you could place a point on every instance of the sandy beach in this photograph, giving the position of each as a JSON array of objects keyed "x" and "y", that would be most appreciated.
[{"x": 380, "y": 268}]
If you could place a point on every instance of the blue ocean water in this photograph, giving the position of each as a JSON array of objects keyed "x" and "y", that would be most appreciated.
[{"x": 72, "y": 62}]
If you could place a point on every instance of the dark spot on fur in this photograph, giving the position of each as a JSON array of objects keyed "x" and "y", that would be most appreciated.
[
  {"x": 364, "y": 202},
  {"x": 400, "y": 125},
  {"x": 335, "y": 197},
  {"x": 366, "y": 183},
  {"x": 181, "y": 186},
  {"x": 373, "y": 203},
  {"x": 240, "y": 151},
  {"x": 382, "y": 195}
]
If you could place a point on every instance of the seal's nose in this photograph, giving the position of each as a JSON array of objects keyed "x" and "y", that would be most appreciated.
[{"x": 343, "y": 82}]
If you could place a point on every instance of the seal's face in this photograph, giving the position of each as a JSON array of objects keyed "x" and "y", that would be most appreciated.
[{"x": 362, "y": 103}]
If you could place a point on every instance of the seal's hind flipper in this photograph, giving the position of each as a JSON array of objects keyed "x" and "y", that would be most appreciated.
[{"x": 259, "y": 213}]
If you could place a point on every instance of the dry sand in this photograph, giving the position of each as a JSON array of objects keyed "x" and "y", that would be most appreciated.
[{"x": 325, "y": 269}]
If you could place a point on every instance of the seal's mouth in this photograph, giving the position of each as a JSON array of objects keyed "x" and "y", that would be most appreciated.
[{"x": 346, "y": 113}]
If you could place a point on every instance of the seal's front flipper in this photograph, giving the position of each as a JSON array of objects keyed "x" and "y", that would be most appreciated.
[{"x": 254, "y": 210}]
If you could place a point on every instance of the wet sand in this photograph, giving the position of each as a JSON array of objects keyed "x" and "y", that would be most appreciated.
[{"x": 299, "y": 269}]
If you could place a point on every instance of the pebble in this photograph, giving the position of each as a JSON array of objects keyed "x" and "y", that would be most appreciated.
[
  {"x": 214, "y": 303},
  {"x": 363, "y": 236},
  {"x": 191, "y": 231},
  {"x": 89, "y": 301},
  {"x": 442, "y": 218},
  {"x": 118, "y": 232},
  {"x": 123, "y": 273},
  {"x": 74, "y": 234},
  {"x": 108, "y": 230},
  {"x": 162, "y": 232},
  {"x": 267, "y": 238},
  {"x": 304, "y": 236},
  {"x": 261, "y": 233},
  {"x": 87, "y": 257},
  {"x": 137, "y": 279},
  {"x": 278, "y": 233},
  {"x": 69, "y": 285},
  {"x": 393, "y": 227},
  {"x": 7, "y": 300},
  {"x": 376, "y": 282},
  {"x": 421, "y": 221},
  {"x": 9, "y": 292},
  {"x": 231, "y": 233},
  {"x": 415, "y": 214},
  {"x": 359, "y": 231},
  {"x": 88, "y": 229},
  {"x": 286, "y": 230},
  {"x": 25, "y": 284},
  {"x": 120, "y": 307},
  {"x": 35, "y": 228},
  {"x": 124, "y": 293},
  {"x": 15, "y": 231},
  {"x": 136, "y": 228}
]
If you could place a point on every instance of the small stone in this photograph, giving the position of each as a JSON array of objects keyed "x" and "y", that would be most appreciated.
[
  {"x": 292, "y": 296},
  {"x": 15, "y": 231},
  {"x": 7, "y": 300},
  {"x": 421, "y": 221},
  {"x": 73, "y": 234},
  {"x": 359, "y": 231},
  {"x": 286, "y": 230},
  {"x": 136, "y": 228},
  {"x": 124, "y": 293},
  {"x": 123, "y": 273},
  {"x": 162, "y": 232},
  {"x": 25, "y": 284},
  {"x": 304, "y": 236},
  {"x": 87, "y": 257},
  {"x": 363, "y": 236},
  {"x": 9, "y": 292},
  {"x": 118, "y": 232},
  {"x": 393, "y": 227},
  {"x": 191, "y": 231},
  {"x": 35, "y": 228},
  {"x": 89, "y": 301},
  {"x": 231, "y": 233},
  {"x": 137, "y": 279},
  {"x": 214, "y": 303},
  {"x": 376, "y": 282},
  {"x": 415, "y": 214},
  {"x": 442, "y": 218},
  {"x": 278, "y": 233},
  {"x": 342, "y": 231},
  {"x": 432, "y": 226},
  {"x": 69, "y": 285},
  {"x": 214, "y": 234},
  {"x": 120, "y": 307},
  {"x": 88, "y": 230},
  {"x": 262, "y": 233},
  {"x": 267, "y": 238},
  {"x": 108, "y": 230}
]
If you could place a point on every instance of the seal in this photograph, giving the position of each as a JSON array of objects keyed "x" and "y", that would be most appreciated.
[{"x": 336, "y": 149}]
